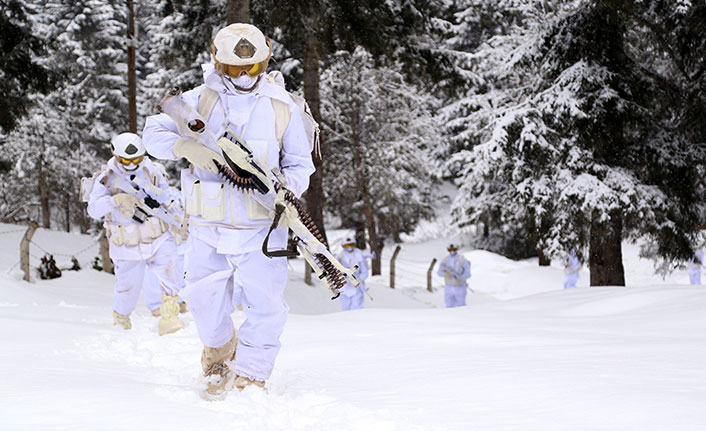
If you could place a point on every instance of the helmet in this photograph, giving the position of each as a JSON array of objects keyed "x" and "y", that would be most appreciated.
[
  {"x": 348, "y": 242},
  {"x": 241, "y": 49},
  {"x": 128, "y": 150},
  {"x": 452, "y": 247}
]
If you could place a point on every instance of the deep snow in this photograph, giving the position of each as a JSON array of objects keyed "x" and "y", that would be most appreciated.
[{"x": 524, "y": 355}]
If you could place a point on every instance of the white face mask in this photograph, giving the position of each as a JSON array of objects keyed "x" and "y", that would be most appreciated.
[
  {"x": 245, "y": 81},
  {"x": 452, "y": 253},
  {"x": 129, "y": 168}
]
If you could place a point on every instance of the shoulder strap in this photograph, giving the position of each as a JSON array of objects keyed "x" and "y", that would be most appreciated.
[
  {"x": 280, "y": 107},
  {"x": 207, "y": 100},
  {"x": 281, "y": 110}
]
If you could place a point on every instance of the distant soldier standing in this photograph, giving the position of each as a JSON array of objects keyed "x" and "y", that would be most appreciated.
[
  {"x": 455, "y": 269},
  {"x": 572, "y": 266},
  {"x": 353, "y": 298},
  {"x": 694, "y": 267}
]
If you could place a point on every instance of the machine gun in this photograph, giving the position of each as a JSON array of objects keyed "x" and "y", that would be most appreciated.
[
  {"x": 154, "y": 202},
  {"x": 243, "y": 172}
]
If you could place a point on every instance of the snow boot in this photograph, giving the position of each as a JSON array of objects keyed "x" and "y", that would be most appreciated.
[
  {"x": 169, "y": 320},
  {"x": 155, "y": 312},
  {"x": 122, "y": 320},
  {"x": 217, "y": 373},
  {"x": 243, "y": 382}
]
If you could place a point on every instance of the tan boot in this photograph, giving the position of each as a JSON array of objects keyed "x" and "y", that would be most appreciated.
[
  {"x": 169, "y": 320},
  {"x": 183, "y": 308},
  {"x": 217, "y": 374},
  {"x": 241, "y": 383},
  {"x": 122, "y": 320},
  {"x": 155, "y": 312}
]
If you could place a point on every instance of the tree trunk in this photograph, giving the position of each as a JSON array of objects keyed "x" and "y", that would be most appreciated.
[
  {"x": 44, "y": 195},
  {"x": 605, "y": 259},
  {"x": 131, "y": 69},
  {"x": 310, "y": 64},
  {"x": 67, "y": 210},
  {"x": 360, "y": 235},
  {"x": 238, "y": 11},
  {"x": 543, "y": 258},
  {"x": 376, "y": 243}
]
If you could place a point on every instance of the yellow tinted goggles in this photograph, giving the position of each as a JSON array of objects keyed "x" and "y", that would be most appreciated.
[
  {"x": 237, "y": 71},
  {"x": 136, "y": 160}
]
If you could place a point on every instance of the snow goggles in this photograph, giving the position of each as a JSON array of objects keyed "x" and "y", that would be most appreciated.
[
  {"x": 251, "y": 69},
  {"x": 348, "y": 245},
  {"x": 136, "y": 160}
]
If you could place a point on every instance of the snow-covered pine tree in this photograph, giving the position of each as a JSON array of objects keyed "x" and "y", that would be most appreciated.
[
  {"x": 20, "y": 70},
  {"x": 487, "y": 40},
  {"x": 586, "y": 142},
  {"x": 75, "y": 122},
  {"x": 377, "y": 154},
  {"x": 45, "y": 180},
  {"x": 176, "y": 43},
  {"x": 313, "y": 30}
]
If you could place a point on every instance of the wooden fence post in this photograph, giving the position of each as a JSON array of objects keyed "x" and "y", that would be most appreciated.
[
  {"x": 431, "y": 267},
  {"x": 24, "y": 248},
  {"x": 307, "y": 273},
  {"x": 392, "y": 266},
  {"x": 105, "y": 253}
]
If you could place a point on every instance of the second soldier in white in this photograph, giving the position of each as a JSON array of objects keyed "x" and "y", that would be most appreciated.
[{"x": 135, "y": 246}]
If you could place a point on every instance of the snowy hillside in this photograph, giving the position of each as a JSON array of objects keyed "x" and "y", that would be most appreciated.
[{"x": 524, "y": 355}]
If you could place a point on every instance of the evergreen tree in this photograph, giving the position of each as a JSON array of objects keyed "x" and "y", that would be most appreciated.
[
  {"x": 380, "y": 130},
  {"x": 20, "y": 70},
  {"x": 178, "y": 36},
  {"x": 585, "y": 142},
  {"x": 59, "y": 141},
  {"x": 312, "y": 30}
]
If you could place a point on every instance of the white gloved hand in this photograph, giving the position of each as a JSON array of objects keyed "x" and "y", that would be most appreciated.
[
  {"x": 126, "y": 204},
  {"x": 199, "y": 155}
]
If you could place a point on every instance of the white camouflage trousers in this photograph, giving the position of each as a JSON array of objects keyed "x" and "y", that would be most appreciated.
[
  {"x": 165, "y": 266},
  {"x": 209, "y": 294},
  {"x": 455, "y": 296}
]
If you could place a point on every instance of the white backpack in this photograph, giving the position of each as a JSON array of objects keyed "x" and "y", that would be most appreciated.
[
  {"x": 88, "y": 182},
  {"x": 208, "y": 99}
]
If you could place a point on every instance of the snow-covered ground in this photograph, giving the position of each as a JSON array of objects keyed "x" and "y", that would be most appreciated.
[{"x": 524, "y": 355}]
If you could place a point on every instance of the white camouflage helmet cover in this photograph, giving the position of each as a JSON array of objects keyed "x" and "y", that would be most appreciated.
[
  {"x": 348, "y": 241},
  {"x": 240, "y": 44},
  {"x": 452, "y": 246},
  {"x": 127, "y": 145}
]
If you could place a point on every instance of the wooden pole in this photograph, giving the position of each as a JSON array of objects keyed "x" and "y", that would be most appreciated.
[
  {"x": 392, "y": 266},
  {"x": 131, "y": 69},
  {"x": 307, "y": 273},
  {"x": 105, "y": 253},
  {"x": 24, "y": 248},
  {"x": 431, "y": 267}
]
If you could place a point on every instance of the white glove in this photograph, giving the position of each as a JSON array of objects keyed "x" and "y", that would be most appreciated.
[
  {"x": 199, "y": 155},
  {"x": 126, "y": 204}
]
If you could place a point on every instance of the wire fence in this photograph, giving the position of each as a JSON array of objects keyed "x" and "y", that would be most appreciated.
[
  {"x": 36, "y": 260},
  {"x": 12, "y": 231},
  {"x": 78, "y": 253}
]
